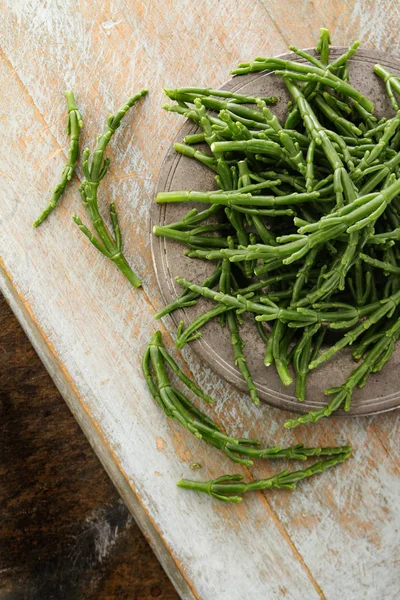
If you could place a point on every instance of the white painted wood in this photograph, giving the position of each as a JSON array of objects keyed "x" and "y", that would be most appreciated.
[{"x": 337, "y": 536}]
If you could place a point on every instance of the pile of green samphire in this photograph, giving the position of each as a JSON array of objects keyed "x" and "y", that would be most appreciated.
[{"x": 307, "y": 211}]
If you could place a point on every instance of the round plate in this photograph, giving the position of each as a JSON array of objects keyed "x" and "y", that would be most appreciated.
[{"x": 382, "y": 392}]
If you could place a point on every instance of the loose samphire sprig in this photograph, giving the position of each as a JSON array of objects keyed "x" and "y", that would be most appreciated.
[
  {"x": 74, "y": 125},
  {"x": 230, "y": 488},
  {"x": 305, "y": 217},
  {"x": 94, "y": 169},
  {"x": 175, "y": 404}
]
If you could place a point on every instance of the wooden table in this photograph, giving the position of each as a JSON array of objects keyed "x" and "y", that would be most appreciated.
[
  {"x": 335, "y": 537},
  {"x": 65, "y": 533}
]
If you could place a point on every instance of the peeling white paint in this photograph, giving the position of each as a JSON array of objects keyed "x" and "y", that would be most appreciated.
[{"x": 108, "y": 25}]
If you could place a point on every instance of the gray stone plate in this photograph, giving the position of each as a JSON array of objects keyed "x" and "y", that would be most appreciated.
[{"x": 382, "y": 392}]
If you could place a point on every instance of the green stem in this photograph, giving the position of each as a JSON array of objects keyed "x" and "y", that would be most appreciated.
[
  {"x": 94, "y": 170},
  {"x": 74, "y": 126},
  {"x": 230, "y": 488}
]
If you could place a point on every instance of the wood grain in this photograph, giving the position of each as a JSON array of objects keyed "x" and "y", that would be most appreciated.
[
  {"x": 65, "y": 533},
  {"x": 92, "y": 329}
]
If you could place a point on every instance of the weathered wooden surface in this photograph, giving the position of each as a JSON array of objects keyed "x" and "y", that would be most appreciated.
[
  {"x": 336, "y": 536},
  {"x": 65, "y": 533}
]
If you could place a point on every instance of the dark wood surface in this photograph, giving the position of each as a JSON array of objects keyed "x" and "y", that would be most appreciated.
[{"x": 64, "y": 531}]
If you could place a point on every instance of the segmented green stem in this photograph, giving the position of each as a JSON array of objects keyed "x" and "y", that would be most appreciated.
[
  {"x": 342, "y": 395},
  {"x": 94, "y": 170},
  {"x": 74, "y": 125},
  {"x": 177, "y": 406},
  {"x": 230, "y": 488}
]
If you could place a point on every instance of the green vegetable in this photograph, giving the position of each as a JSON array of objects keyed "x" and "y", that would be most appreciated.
[
  {"x": 303, "y": 72},
  {"x": 230, "y": 488},
  {"x": 94, "y": 171},
  {"x": 320, "y": 192},
  {"x": 392, "y": 83},
  {"x": 177, "y": 406},
  {"x": 74, "y": 125},
  {"x": 188, "y": 298},
  {"x": 372, "y": 363}
]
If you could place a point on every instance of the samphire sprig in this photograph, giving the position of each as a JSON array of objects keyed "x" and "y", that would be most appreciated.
[
  {"x": 74, "y": 125},
  {"x": 94, "y": 169},
  {"x": 230, "y": 488},
  {"x": 175, "y": 404},
  {"x": 306, "y": 213}
]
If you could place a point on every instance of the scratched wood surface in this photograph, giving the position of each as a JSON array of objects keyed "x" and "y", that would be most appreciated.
[
  {"x": 335, "y": 537},
  {"x": 65, "y": 534}
]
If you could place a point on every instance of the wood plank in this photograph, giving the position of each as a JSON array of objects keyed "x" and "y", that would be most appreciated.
[
  {"x": 370, "y": 21},
  {"x": 64, "y": 533},
  {"x": 94, "y": 434},
  {"x": 350, "y": 522},
  {"x": 104, "y": 55}
]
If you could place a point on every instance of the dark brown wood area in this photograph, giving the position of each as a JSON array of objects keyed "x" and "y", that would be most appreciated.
[{"x": 64, "y": 531}]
